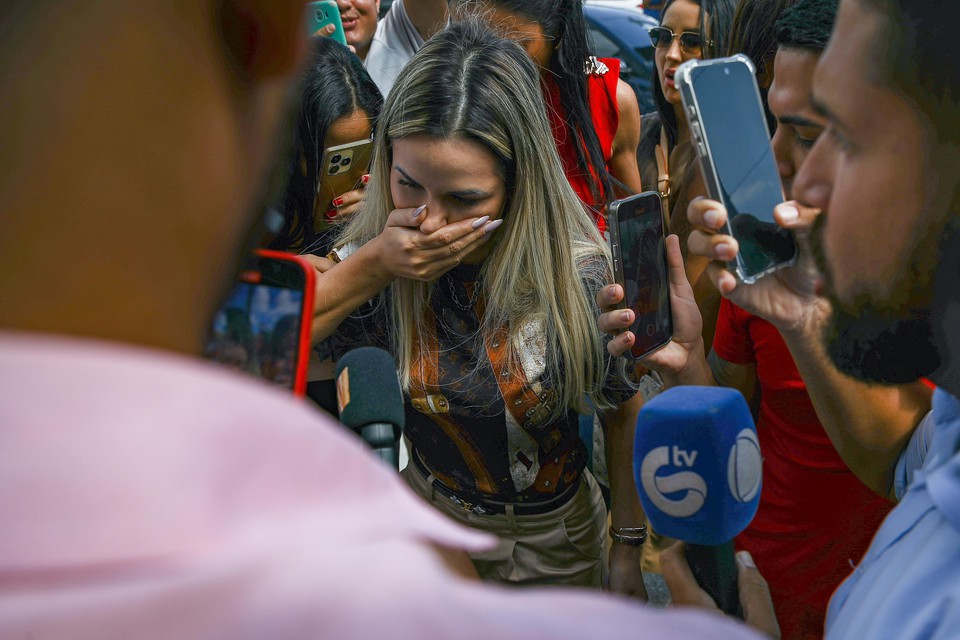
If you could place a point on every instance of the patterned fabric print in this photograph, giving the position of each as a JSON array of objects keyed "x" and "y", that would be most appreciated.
[{"x": 478, "y": 425}]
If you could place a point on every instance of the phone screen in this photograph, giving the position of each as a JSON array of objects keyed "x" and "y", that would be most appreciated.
[
  {"x": 734, "y": 131},
  {"x": 259, "y": 328},
  {"x": 641, "y": 256}
]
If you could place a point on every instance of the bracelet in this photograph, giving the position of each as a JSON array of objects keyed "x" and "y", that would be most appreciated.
[{"x": 632, "y": 536}]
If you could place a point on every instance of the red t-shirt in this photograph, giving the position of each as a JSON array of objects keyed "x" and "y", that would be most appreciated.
[
  {"x": 815, "y": 518},
  {"x": 605, "y": 113}
]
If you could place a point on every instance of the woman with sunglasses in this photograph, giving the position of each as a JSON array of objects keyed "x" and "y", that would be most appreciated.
[{"x": 688, "y": 29}]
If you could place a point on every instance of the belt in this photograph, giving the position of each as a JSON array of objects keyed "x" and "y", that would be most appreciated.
[{"x": 489, "y": 508}]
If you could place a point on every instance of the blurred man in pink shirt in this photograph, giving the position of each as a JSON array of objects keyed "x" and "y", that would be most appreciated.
[{"x": 144, "y": 492}]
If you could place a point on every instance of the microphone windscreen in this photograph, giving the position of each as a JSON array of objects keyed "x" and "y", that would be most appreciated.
[
  {"x": 697, "y": 464},
  {"x": 368, "y": 391}
]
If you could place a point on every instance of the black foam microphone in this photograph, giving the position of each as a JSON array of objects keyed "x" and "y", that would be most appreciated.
[
  {"x": 697, "y": 466},
  {"x": 370, "y": 400}
]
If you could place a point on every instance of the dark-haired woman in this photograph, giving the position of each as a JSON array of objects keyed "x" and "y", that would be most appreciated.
[
  {"x": 339, "y": 104},
  {"x": 593, "y": 114},
  {"x": 689, "y": 29}
]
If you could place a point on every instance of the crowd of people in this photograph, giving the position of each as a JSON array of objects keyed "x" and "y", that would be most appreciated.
[{"x": 164, "y": 495}]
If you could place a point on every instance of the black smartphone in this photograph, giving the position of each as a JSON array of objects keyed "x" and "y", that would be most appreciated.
[
  {"x": 264, "y": 326},
  {"x": 729, "y": 129},
  {"x": 638, "y": 245}
]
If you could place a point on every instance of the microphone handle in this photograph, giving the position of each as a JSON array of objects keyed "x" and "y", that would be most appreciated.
[
  {"x": 716, "y": 571},
  {"x": 384, "y": 439}
]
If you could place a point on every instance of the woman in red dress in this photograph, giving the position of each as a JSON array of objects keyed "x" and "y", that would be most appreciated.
[{"x": 594, "y": 114}]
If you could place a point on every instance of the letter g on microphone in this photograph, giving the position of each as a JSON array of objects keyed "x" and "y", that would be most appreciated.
[{"x": 655, "y": 487}]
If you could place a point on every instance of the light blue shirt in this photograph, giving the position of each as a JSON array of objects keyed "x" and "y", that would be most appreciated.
[{"x": 908, "y": 584}]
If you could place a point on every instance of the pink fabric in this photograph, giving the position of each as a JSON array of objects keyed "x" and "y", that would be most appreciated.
[{"x": 146, "y": 495}]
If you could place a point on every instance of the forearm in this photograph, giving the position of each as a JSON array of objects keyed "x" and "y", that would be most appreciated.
[
  {"x": 625, "y": 574},
  {"x": 619, "y": 426},
  {"x": 346, "y": 286},
  {"x": 868, "y": 424}
]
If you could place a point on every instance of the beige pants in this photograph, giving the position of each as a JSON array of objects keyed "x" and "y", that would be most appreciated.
[{"x": 564, "y": 546}]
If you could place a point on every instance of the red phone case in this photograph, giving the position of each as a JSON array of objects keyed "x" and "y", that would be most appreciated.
[{"x": 306, "y": 317}]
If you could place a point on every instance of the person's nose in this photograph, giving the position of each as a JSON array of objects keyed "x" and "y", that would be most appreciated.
[
  {"x": 673, "y": 51},
  {"x": 434, "y": 218}
]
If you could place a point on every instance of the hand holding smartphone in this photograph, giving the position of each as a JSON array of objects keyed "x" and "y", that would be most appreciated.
[
  {"x": 729, "y": 129},
  {"x": 323, "y": 14},
  {"x": 264, "y": 326},
  {"x": 638, "y": 244},
  {"x": 341, "y": 169}
]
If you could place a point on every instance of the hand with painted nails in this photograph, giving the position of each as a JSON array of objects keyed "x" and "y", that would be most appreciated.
[
  {"x": 343, "y": 206},
  {"x": 406, "y": 251},
  {"x": 754, "y": 592},
  {"x": 685, "y": 350},
  {"x": 786, "y": 298}
]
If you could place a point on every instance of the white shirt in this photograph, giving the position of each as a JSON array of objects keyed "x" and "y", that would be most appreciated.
[{"x": 394, "y": 43}]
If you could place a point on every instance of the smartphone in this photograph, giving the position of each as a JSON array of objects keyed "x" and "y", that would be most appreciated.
[
  {"x": 729, "y": 129},
  {"x": 638, "y": 245},
  {"x": 341, "y": 169},
  {"x": 324, "y": 13},
  {"x": 264, "y": 326}
]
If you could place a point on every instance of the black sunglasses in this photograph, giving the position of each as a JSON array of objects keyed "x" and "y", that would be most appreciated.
[{"x": 690, "y": 41}]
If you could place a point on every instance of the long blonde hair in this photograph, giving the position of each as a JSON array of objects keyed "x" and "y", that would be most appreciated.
[{"x": 467, "y": 82}]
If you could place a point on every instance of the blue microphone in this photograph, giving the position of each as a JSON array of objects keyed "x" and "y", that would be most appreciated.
[{"x": 697, "y": 465}]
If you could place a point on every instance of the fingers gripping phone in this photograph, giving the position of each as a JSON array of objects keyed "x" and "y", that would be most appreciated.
[
  {"x": 341, "y": 169},
  {"x": 729, "y": 129},
  {"x": 264, "y": 326},
  {"x": 638, "y": 244},
  {"x": 322, "y": 14}
]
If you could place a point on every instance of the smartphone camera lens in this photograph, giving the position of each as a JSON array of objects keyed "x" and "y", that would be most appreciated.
[
  {"x": 345, "y": 162},
  {"x": 334, "y": 169},
  {"x": 319, "y": 15},
  {"x": 336, "y": 158}
]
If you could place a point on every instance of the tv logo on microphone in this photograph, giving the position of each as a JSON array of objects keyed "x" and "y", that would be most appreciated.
[
  {"x": 697, "y": 464},
  {"x": 689, "y": 487}
]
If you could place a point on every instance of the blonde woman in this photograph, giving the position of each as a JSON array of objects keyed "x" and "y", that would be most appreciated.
[{"x": 482, "y": 267}]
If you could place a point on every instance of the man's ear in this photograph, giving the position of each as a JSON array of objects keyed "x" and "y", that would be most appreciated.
[{"x": 263, "y": 39}]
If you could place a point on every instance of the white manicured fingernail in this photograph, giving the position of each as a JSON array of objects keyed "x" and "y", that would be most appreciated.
[
  {"x": 746, "y": 559},
  {"x": 419, "y": 210},
  {"x": 479, "y": 222},
  {"x": 712, "y": 217},
  {"x": 788, "y": 213},
  {"x": 721, "y": 249},
  {"x": 492, "y": 226}
]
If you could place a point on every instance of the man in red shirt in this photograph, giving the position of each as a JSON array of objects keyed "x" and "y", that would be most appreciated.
[{"x": 817, "y": 512}]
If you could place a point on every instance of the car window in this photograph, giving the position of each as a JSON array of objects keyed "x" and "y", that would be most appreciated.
[{"x": 603, "y": 46}]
